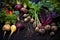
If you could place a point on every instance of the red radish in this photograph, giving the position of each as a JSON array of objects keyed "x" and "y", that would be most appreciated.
[
  {"x": 52, "y": 33},
  {"x": 13, "y": 29},
  {"x": 36, "y": 29},
  {"x": 23, "y": 10},
  {"x": 31, "y": 20},
  {"x": 47, "y": 27},
  {"x": 42, "y": 31},
  {"x": 25, "y": 15},
  {"x": 54, "y": 28},
  {"x": 5, "y": 28}
]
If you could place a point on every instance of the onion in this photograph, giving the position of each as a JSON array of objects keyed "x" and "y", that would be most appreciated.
[
  {"x": 18, "y": 6},
  {"x": 5, "y": 28},
  {"x": 52, "y": 33},
  {"x": 25, "y": 15},
  {"x": 54, "y": 28},
  {"x": 47, "y": 27},
  {"x": 31, "y": 20},
  {"x": 42, "y": 31},
  {"x": 13, "y": 29},
  {"x": 24, "y": 10},
  {"x": 36, "y": 29}
]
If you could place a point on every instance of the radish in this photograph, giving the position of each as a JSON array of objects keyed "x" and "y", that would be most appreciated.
[
  {"x": 13, "y": 29},
  {"x": 23, "y": 10},
  {"x": 42, "y": 31},
  {"x": 54, "y": 28},
  {"x": 29, "y": 17},
  {"x": 31, "y": 20},
  {"x": 34, "y": 24},
  {"x": 36, "y": 29},
  {"x": 25, "y": 15},
  {"x": 47, "y": 27},
  {"x": 26, "y": 19},
  {"x": 5, "y": 28}
]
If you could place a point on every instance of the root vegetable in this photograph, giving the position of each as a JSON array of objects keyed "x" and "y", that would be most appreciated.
[
  {"x": 47, "y": 27},
  {"x": 54, "y": 28},
  {"x": 25, "y": 15},
  {"x": 31, "y": 20},
  {"x": 13, "y": 29},
  {"x": 29, "y": 17},
  {"x": 18, "y": 6},
  {"x": 42, "y": 31},
  {"x": 23, "y": 10},
  {"x": 36, "y": 29},
  {"x": 34, "y": 24},
  {"x": 5, "y": 28},
  {"x": 26, "y": 19}
]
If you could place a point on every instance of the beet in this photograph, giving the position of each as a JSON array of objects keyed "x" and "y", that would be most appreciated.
[{"x": 18, "y": 6}]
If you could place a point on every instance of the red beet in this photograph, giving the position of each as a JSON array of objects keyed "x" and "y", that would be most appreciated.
[{"x": 18, "y": 7}]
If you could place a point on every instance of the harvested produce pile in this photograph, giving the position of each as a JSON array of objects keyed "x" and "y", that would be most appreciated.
[{"x": 38, "y": 17}]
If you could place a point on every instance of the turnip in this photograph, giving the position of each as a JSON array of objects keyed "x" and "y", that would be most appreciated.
[
  {"x": 54, "y": 28},
  {"x": 47, "y": 27},
  {"x": 13, "y": 29},
  {"x": 42, "y": 31},
  {"x": 25, "y": 15},
  {"x": 23, "y": 10},
  {"x": 5, "y": 28}
]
